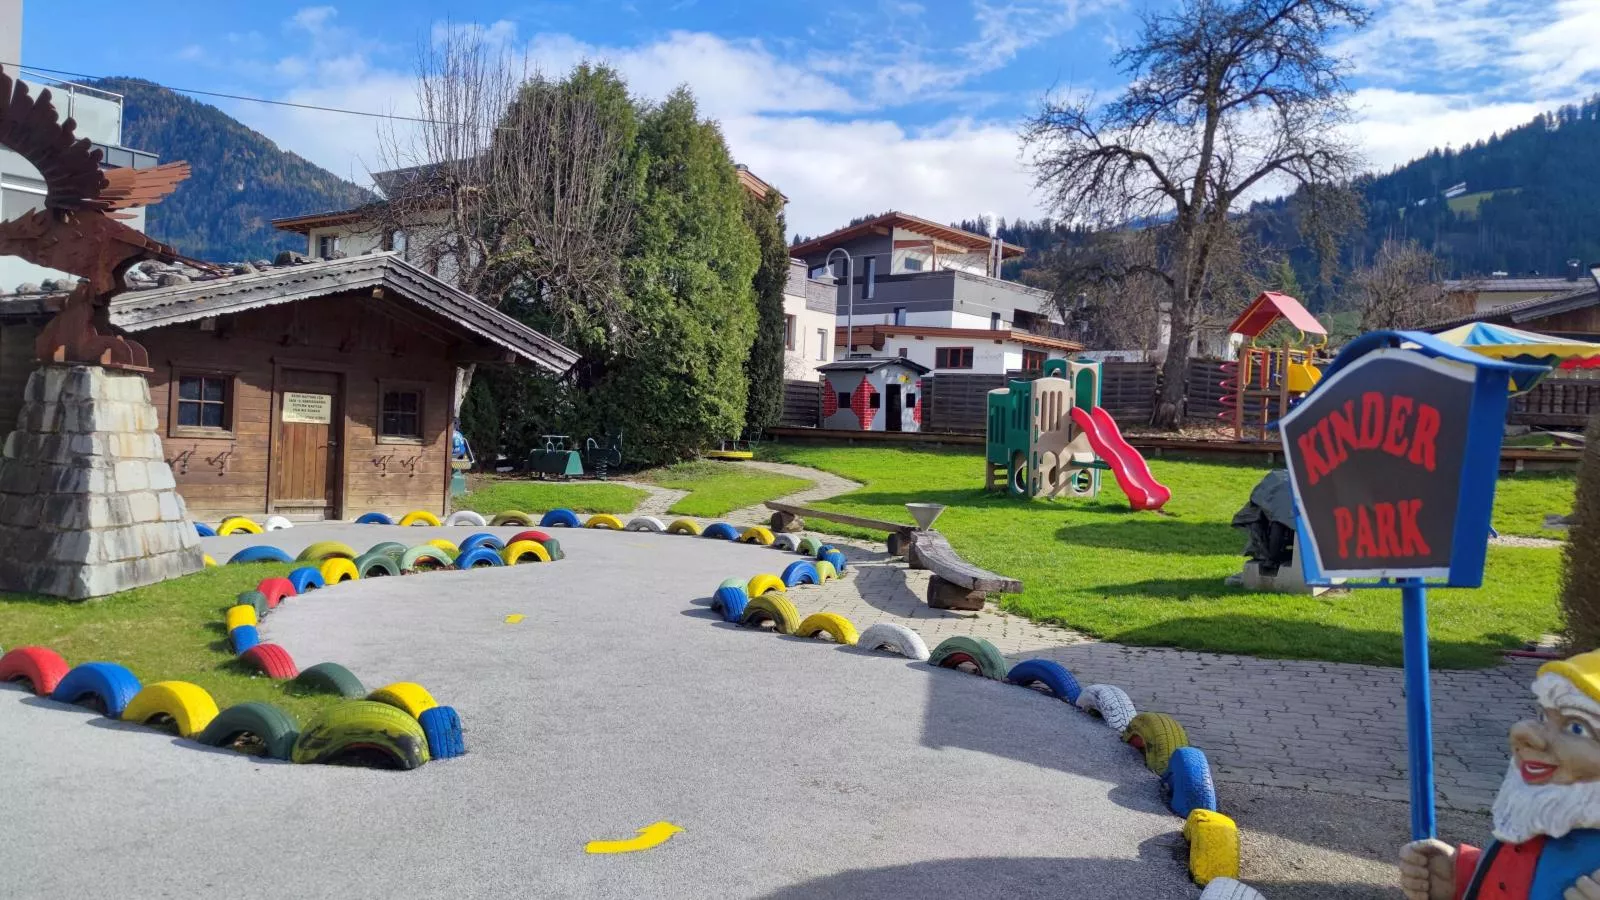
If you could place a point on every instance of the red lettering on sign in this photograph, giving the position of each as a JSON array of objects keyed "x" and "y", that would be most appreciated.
[
  {"x": 1394, "y": 440},
  {"x": 1365, "y": 545},
  {"x": 1422, "y": 449},
  {"x": 1388, "y": 537},
  {"x": 1343, "y": 425},
  {"x": 1345, "y": 524},
  {"x": 1410, "y": 534},
  {"x": 1371, "y": 420},
  {"x": 1316, "y": 466}
]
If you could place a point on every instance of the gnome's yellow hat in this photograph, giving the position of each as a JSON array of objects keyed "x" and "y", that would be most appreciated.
[{"x": 1582, "y": 670}]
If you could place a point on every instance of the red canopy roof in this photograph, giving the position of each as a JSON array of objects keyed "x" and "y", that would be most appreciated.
[{"x": 1268, "y": 308}]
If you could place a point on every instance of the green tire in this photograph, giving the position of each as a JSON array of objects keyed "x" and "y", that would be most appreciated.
[
  {"x": 377, "y": 563},
  {"x": 321, "y": 550},
  {"x": 442, "y": 558},
  {"x": 329, "y": 678},
  {"x": 392, "y": 549},
  {"x": 363, "y": 733},
  {"x": 272, "y": 728},
  {"x": 255, "y": 599},
  {"x": 953, "y": 651}
]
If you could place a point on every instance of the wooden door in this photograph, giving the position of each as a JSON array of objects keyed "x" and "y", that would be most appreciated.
[
  {"x": 892, "y": 411},
  {"x": 305, "y": 454}
]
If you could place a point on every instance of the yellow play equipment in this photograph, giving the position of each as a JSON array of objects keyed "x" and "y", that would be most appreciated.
[{"x": 1266, "y": 379}]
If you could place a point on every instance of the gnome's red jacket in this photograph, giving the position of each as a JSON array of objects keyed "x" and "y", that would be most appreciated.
[{"x": 1538, "y": 869}]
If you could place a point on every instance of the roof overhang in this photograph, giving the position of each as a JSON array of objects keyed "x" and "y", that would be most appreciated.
[
  {"x": 304, "y": 224},
  {"x": 968, "y": 241}
]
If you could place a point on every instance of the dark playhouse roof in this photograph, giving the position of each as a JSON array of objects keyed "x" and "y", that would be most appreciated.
[{"x": 873, "y": 364}]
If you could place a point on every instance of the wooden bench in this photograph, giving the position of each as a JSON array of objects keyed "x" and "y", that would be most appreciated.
[
  {"x": 788, "y": 517},
  {"x": 956, "y": 583}
]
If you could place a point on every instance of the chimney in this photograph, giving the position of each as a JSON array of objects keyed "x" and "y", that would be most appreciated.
[{"x": 1574, "y": 270}]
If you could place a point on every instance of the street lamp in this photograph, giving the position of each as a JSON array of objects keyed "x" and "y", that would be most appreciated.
[{"x": 850, "y": 295}]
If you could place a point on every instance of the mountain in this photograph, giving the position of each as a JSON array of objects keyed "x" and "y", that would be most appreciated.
[{"x": 241, "y": 180}]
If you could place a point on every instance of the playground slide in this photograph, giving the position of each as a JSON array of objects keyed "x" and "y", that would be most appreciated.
[{"x": 1133, "y": 473}]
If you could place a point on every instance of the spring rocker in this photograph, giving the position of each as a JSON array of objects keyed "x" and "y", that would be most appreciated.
[{"x": 1266, "y": 380}]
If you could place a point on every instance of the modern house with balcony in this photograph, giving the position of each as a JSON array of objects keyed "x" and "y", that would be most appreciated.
[{"x": 909, "y": 287}]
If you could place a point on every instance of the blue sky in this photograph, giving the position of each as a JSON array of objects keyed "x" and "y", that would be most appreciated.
[{"x": 849, "y": 107}]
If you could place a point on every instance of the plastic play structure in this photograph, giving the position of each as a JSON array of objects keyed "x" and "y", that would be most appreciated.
[
  {"x": 1265, "y": 380},
  {"x": 1050, "y": 436}
]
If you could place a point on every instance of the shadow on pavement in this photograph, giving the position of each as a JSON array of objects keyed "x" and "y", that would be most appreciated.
[{"x": 1080, "y": 879}]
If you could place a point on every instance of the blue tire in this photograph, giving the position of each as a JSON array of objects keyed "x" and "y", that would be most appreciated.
[
  {"x": 721, "y": 531},
  {"x": 560, "y": 518},
  {"x": 800, "y": 572},
  {"x": 730, "y": 601},
  {"x": 108, "y": 683},
  {"x": 306, "y": 578},
  {"x": 243, "y": 637},
  {"x": 374, "y": 518},
  {"x": 837, "y": 559},
  {"x": 478, "y": 558},
  {"x": 1188, "y": 784},
  {"x": 1049, "y": 673},
  {"x": 442, "y": 727},
  {"x": 825, "y": 549},
  {"x": 481, "y": 539},
  {"x": 204, "y": 530},
  {"x": 260, "y": 553}
]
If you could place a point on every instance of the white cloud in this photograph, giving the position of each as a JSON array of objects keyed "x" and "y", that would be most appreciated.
[{"x": 1394, "y": 127}]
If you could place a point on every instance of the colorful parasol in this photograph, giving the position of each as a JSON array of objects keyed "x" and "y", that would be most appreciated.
[{"x": 1518, "y": 346}]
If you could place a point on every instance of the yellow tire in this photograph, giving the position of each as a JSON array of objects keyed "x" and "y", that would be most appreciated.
[
  {"x": 684, "y": 526},
  {"x": 604, "y": 520},
  {"x": 322, "y": 550},
  {"x": 756, "y": 534},
  {"x": 517, "y": 551},
  {"x": 406, "y": 695},
  {"x": 242, "y": 614},
  {"x": 206, "y": 558},
  {"x": 337, "y": 569},
  {"x": 1213, "y": 846},
  {"x": 418, "y": 517},
  {"x": 443, "y": 544},
  {"x": 837, "y": 627},
  {"x": 1158, "y": 736},
  {"x": 237, "y": 525},
  {"x": 775, "y": 608},
  {"x": 762, "y": 583},
  {"x": 189, "y": 707},
  {"x": 826, "y": 572}
]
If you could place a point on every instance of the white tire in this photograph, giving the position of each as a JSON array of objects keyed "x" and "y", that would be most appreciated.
[
  {"x": 789, "y": 542},
  {"x": 894, "y": 638},
  {"x": 645, "y": 523},
  {"x": 277, "y": 523},
  {"x": 1111, "y": 702},
  {"x": 466, "y": 517},
  {"x": 1228, "y": 889}
]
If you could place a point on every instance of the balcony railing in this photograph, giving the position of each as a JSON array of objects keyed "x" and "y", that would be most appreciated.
[{"x": 98, "y": 113}]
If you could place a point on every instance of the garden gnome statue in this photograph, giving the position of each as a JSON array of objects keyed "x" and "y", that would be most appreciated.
[{"x": 1547, "y": 814}]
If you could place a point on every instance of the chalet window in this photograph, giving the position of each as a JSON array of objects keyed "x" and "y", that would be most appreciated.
[
  {"x": 327, "y": 246},
  {"x": 788, "y": 333},
  {"x": 869, "y": 289},
  {"x": 1033, "y": 360},
  {"x": 994, "y": 321},
  {"x": 205, "y": 401},
  {"x": 899, "y": 315},
  {"x": 844, "y": 400},
  {"x": 913, "y": 264},
  {"x": 397, "y": 241},
  {"x": 822, "y": 344},
  {"x": 952, "y": 358},
  {"x": 911, "y": 401},
  {"x": 400, "y": 415},
  {"x": 875, "y": 401}
]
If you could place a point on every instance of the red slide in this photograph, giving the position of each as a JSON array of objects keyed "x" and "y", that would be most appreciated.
[{"x": 1133, "y": 473}]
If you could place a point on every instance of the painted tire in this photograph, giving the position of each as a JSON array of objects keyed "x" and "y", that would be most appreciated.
[
  {"x": 41, "y": 667},
  {"x": 721, "y": 531},
  {"x": 260, "y": 553},
  {"x": 646, "y": 523},
  {"x": 684, "y": 526},
  {"x": 392, "y": 549},
  {"x": 1158, "y": 736},
  {"x": 243, "y": 637},
  {"x": 823, "y": 551},
  {"x": 774, "y": 608},
  {"x": 256, "y": 600},
  {"x": 894, "y": 638},
  {"x": 237, "y": 525},
  {"x": 441, "y": 725},
  {"x": 240, "y": 614},
  {"x": 329, "y": 678},
  {"x": 466, "y": 517},
  {"x": 953, "y": 651},
  {"x": 418, "y": 517},
  {"x": 730, "y": 601},
  {"x": 1187, "y": 782},
  {"x": 837, "y": 627},
  {"x": 756, "y": 534},
  {"x": 479, "y": 558},
  {"x": 733, "y": 582},
  {"x": 787, "y": 542},
  {"x": 424, "y": 558},
  {"x": 553, "y": 547},
  {"x": 447, "y": 546},
  {"x": 809, "y": 546},
  {"x": 270, "y": 660},
  {"x": 1213, "y": 846},
  {"x": 481, "y": 539},
  {"x": 338, "y": 569},
  {"x": 559, "y": 518},
  {"x": 108, "y": 684},
  {"x": 1225, "y": 888},
  {"x": 208, "y": 561},
  {"x": 306, "y": 578},
  {"x": 836, "y": 559},
  {"x": 1053, "y": 675},
  {"x": 531, "y": 534},
  {"x": 269, "y": 725},
  {"x": 374, "y": 518},
  {"x": 359, "y": 730},
  {"x": 188, "y": 705},
  {"x": 826, "y": 572},
  {"x": 276, "y": 590},
  {"x": 204, "y": 530},
  {"x": 406, "y": 695},
  {"x": 605, "y": 521},
  {"x": 512, "y": 517},
  {"x": 760, "y": 584},
  {"x": 1110, "y": 703},
  {"x": 277, "y": 523},
  {"x": 521, "y": 550},
  {"x": 376, "y": 564},
  {"x": 801, "y": 571},
  {"x": 322, "y": 550}
]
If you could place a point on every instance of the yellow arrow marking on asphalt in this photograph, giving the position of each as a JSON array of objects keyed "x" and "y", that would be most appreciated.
[
  {"x": 653, "y": 835},
  {"x": 514, "y": 618}
]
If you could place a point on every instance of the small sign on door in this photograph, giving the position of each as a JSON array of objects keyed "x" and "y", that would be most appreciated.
[{"x": 308, "y": 409}]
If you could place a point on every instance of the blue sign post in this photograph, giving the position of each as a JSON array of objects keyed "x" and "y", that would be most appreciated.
[{"x": 1393, "y": 459}]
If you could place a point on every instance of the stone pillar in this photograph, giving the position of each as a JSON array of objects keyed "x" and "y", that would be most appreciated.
[{"x": 88, "y": 506}]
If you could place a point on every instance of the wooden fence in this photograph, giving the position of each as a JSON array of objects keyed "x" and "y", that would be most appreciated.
[
  {"x": 1566, "y": 403},
  {"x": 1203, "y": 390},
  {"x": 802, "y": 404},
  {"x": 959, "y": 404},
  {"x": 1128, "y": 391}
]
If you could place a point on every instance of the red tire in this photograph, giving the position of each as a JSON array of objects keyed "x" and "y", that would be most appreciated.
[
  {"x": 276, "y": 590},
  {"x": 529, "y": 535},
  {"x": 271, "y": 660},
  {"x": 39, "y": 666}
]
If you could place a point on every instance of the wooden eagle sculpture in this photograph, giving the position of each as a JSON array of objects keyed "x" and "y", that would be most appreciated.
[{"x": 78, "y": 230}]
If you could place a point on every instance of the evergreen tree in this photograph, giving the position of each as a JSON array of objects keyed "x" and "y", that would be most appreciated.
[{"x": 764, "y": 369}]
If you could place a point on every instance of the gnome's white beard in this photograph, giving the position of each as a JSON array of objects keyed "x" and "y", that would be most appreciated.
[{"x": 1523, "y": 811}]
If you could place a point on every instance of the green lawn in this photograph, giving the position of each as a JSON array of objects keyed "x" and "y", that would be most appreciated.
[
  {"x": 718, "y": 488},
  {"x": 1151, "y": 579},
  {"x": 494, "y": 494}
]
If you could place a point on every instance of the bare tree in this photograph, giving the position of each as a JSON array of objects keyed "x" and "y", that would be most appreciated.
[
  {"x": 1398, "y": 290},
  {"x": 1225, "y": 97}
]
